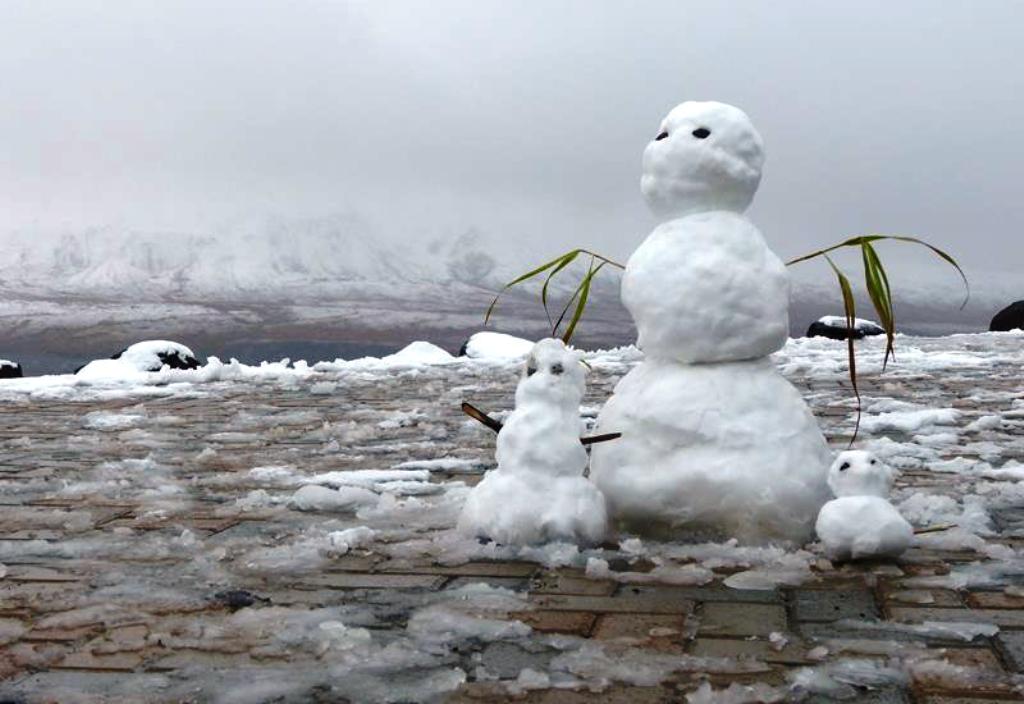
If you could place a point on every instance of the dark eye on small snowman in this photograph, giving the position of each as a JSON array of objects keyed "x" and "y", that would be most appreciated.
[
  {"x": 663, "y": 135},
  {"x": 557, "y": 368},
  {"x": 701, "y": 133},
  {"x": 844, "y": 466},
  {"x": 874, "y": 461},
  {"x": 531, "y": 368}
]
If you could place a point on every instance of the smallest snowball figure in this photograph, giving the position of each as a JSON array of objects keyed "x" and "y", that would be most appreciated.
[
  {"x": 860, "y": 522},
  {"x": 538, "y": 492}
]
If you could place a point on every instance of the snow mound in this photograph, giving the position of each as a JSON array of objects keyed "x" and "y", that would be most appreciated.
[
  {"x": 496, "y": 345},
  {"x": 419, "y": 352},
  {"x": 415, "y": 354}
]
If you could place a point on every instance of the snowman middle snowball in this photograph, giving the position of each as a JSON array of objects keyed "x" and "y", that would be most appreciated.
[
  {"x": 538, "y": 492},
  {"x": 714, "y": 439}
]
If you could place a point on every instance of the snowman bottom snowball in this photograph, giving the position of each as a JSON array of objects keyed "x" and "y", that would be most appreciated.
[{"x": 531, "y": 508}]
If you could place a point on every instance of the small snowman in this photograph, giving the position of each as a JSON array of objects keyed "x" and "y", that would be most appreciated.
[
  {"x": 538, "y": 492},
  {"x": 860, "y": 522}
]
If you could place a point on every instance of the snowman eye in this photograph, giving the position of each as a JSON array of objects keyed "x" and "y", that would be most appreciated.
[
  {"x": 531, "y": 368},
  {"x": 844, "y": 466},
  {"x": 874, "y": 461},
  {"x": 701, "y": 133},
  {"x": 661, "y": 136},
  {"x": 557, "y": 368}
]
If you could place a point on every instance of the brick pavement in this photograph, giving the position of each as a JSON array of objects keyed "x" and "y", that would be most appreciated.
[{"x": 128, "y": 526}]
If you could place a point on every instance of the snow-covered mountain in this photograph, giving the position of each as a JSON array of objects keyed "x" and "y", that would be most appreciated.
[
  {"x": 296, "y": 260},
  {"x": 338, "y": 278}
]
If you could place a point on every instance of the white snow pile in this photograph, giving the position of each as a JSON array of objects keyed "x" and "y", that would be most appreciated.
[
  {"x": 497, "y": 346},
  {"x": 415, "y": 354},
  {"x": 909, "y": 421}
]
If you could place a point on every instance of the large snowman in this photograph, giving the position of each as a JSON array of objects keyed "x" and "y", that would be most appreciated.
[{"x": 714, "y": 440}]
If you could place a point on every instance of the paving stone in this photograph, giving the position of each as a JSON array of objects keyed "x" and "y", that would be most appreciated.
[
  {"x": 793, "y": 652},
  {"x": 868, "y": 631},
  {"x": 515, "y": 584},
  {"x": 197, "y": 659},
  {"x": 614, "y": 604},
  {"x": 356, "y": 580},
  {"x": 832, "y": 605},
  {"x": 670, "y": 627},
  {"x": 924, "y": 597},
  {"x": 576, "y": 622},
  {"x": 62, "y": 634},
  {"x": 35, "y": 573},
  {"x": 977, "y": 658},
  {"x": 616, "y": 694},
  {"x": 90, "y": 661},
  {"x": 739, "y": 619},
  {"x": 1001, "y": 617},
  {"x": 994, "y": 600},
  {"x": 574, "y": 582},
  {"x": 480, "y": 569},
  {"x": 507, "y": 660},
  {"x": 1011, "y": 643},
  {"x": 706, "y": 593}
]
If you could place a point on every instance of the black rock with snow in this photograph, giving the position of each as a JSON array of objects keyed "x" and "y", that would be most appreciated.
[
  {"x": 152, "y": 356},
  {"x": 10, "y": 370},
  {"x": 1009, "y": 318},
  {"x": 834, "y": 328}
]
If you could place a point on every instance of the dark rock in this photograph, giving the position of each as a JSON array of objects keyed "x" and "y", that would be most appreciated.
[
  {"x": 837, "y": 330},
  {"x": 235, "y": 599},
  {"x": 10, "y": 370},
  {"x": 1009, "y": 318}
]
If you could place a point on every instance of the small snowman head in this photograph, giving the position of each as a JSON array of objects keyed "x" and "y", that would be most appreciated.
[
  {"x": 860, "y": 473},
  {"x": 706, "y": 156},
  {"x": 554, "y": 374}
]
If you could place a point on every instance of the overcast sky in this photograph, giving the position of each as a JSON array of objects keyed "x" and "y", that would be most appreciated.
[{"x": 525, "y": 120}]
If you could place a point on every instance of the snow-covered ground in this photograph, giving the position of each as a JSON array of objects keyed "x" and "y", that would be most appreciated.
[{"x": 147, "y": 501}]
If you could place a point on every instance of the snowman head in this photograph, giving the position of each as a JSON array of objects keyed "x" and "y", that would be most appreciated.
[
  {"x": 554, "y": 374},
  {"x": 859, "y": 473},
  {"x": 706, "y": 156}
]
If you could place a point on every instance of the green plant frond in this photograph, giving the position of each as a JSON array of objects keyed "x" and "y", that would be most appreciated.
[
  {"x": 581, "y": 304},
  {"x": 850, "y": 308},
  {"x": 868, "y": 239},
  {"x": 565, "y": 309},
  {"x": 566, "y": 260},
  {"x": 525, "y": 277},
  {"x": 877, "y": 284}
]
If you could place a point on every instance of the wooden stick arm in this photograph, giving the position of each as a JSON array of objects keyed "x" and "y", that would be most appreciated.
[{"x": 478, "y": 415}]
